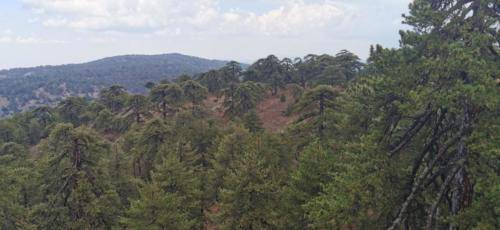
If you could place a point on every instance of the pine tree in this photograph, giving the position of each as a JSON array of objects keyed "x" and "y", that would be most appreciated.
[
  {"x": 157, "y": 209},
  {"x": 171, "y": 200},
  {"x": 114, "y": 97},
  {"x": 422, "y": 108},
  {"x": 70, "y": 109},
  {"x": 345, "y": 68},
  {"x": 229, "y": 148},
  {"x": 315, "y": 169},
  {"x": 17, "y": 186},
  {"x": 315, "y": 107},
  {"x": 356, "y": 190},
  {"x": 249, "y": 196},
  {"x": 194, "y": 92},
  {"x": 252, "y": 122},
  {"x": 242, "y": 98},
  {"x": 168, "y": 97},
  {"x": 232, "y": 72},
  {"x": 76, "y": 192},
  {"x": 149, "y": 148},
  {"x": 213, "y": 80},
  {"x": 277, "y": 82},
  {"x": 138, "y": 108}
]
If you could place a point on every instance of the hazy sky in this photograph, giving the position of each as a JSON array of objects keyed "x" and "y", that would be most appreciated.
[{"x": 38, "y": 32}]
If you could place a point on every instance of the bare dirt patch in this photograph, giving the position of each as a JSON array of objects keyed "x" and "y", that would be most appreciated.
[{"x": 272, "y": 111}]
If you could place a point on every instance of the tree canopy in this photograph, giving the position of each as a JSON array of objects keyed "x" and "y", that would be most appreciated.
[{"x": 406, "y": 140}]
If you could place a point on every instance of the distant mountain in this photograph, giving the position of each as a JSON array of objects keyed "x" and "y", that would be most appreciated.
[{"x": 25, "y": 88}]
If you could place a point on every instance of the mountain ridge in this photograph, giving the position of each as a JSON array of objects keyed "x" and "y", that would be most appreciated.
[
  {"x": 174, "y": 54},
  {"x": 25, "y": 88}
]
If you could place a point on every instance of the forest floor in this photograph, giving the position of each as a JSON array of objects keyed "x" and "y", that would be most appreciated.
[{"x": 271, "y": 110}]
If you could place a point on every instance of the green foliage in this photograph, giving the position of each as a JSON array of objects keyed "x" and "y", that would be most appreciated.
[
  {"x": 149, "y": 85},
  {"x": 315, "y": 170},
  {"x": 213, "y": 80},
  {"x": 232, "y": 71},
  {"x": 138, "y": 108},
  {"x": 114, "y": 97},
  {"x": 282, "y": 98},
  {"x": 407, "y": 141},
  {"x": 269, "y": 70},
  {"x": 17, "y": 186},
  {"x": 149, "y": 146},
  {"x": 76, "y": 191},
  {"x": 28, "y": 88},
  {"x": 167, "y": 98},
  {"x": 7, "y": 131},
  {"x": 182, "y": 78},
  {"x": 315, "y": 107},
  {"x": 325, "y": 69},
  {"x": 360, "y": 192},
  {"x": 239, "y": 99},
  {"x": 194, "y": 92},
  {"x": 252, "y": 122},
  {"x": 345, "y": 67},
  {"x": 249, "y": 195},
  {"x": 157, "y": 210},
  {"x": 171, "y": 200},
  {"x": 228, "y": 149},
  {"x": 71, "y": 109}
]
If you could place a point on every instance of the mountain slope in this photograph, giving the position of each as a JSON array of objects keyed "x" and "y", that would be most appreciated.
[{"x": 25, "y": 88}]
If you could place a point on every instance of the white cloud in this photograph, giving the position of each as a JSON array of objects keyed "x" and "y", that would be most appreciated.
[
  {"x": 8, "y": 37},
  {"x": 157, "y": 16},
  {"x": 122, "y": 14},
  {"x": 28, "y": 40},
  {"x": 291, "y": 17}
]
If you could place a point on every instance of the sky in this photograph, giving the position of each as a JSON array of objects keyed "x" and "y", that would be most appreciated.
[{"x": 50, "y": 32}]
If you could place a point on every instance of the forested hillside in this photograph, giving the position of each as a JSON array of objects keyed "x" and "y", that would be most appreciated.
[
  {"x": 406, "y": 140},
  {"x": 27, "y": 88}
]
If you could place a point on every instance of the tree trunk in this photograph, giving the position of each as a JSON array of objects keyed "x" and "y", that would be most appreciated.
[
  {"x": 461, "y": 189},
  {"x": 77, "y": 158},
  {"x": 138, "y": 117},
  {"x": 164, "y": 109},
  {"x": 321, "y": 115}
]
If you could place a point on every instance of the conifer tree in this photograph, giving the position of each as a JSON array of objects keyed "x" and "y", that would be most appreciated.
[
  {"x": 170, "y": 201},
  {"x": 44, "y": 115},
  {"x": 114, "y": 97},
  {"x": 149, "y": 147},
  {"x": 232, "y": 72},
  {"x": 242, "y": 98},
  {"x": 213, "y": 80},
  {"x": 168, "y": 97},
  {"x": 156, "y": 209},
  {"x": 421, "y": 117},
  {"x": 138, "y": 107},
  {"x": 17, "y": 186},
  {"x": 252, "y": 122},
  {"x": 194, "y": 92},
  {"x": 345, "y": 68},
  {"x": 315, "y": 106},
  {"x": 229, "y": 148},
  {"x": 77, "y": 194},
  {"x": 315, "y": 169},
  {"x": 249, "y": 196},
  {"x": 71, "y": 109}
]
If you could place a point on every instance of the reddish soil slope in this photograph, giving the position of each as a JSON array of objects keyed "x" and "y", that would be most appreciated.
[{"x": 270, "y": 110}]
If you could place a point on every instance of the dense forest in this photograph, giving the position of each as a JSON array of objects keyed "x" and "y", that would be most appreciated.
[
  {"x": 406, "y": 140},
  {"x": 23, "y": 89}
]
